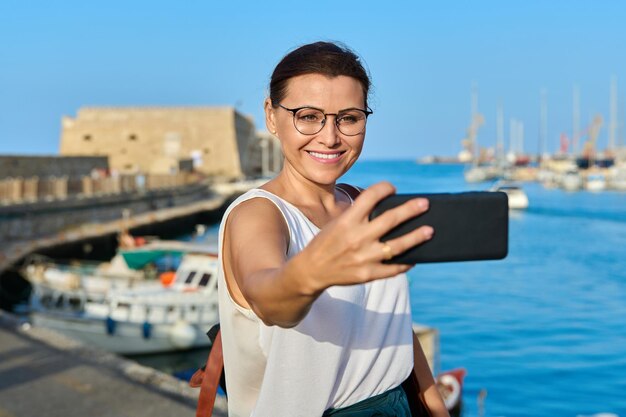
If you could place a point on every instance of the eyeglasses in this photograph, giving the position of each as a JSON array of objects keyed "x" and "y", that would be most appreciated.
[{"x": 309, "y": 120}]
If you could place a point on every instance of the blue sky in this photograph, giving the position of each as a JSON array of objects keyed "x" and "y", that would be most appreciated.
[{"x": 56, "y": 57}]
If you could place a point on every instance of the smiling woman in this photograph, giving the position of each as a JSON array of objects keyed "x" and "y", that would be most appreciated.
[
  {"x": 313, "y": 322},
  {"x": 306, "y": 139}
]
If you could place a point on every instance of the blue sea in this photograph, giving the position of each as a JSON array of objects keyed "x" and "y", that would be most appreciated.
[{"x": 542, "y": 332}]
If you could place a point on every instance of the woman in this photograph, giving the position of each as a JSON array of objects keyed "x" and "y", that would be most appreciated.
[{"x": 313, "y": 323}]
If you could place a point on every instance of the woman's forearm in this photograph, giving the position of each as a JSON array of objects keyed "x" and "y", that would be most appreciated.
[
  {"x": 280, "y": 296},
  {"x": 428, "y": 388}
]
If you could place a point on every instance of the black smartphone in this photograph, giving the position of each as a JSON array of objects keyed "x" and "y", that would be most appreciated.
[{"x": 469, "y": 226}]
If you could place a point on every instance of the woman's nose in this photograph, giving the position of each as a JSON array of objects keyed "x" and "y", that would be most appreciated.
[{"x": 329, "y": 135}]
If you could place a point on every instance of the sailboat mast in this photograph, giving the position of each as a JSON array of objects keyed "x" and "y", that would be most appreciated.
[
  {"x": 474, "y": 110},
  {"x": 613, "y": 113},
  {"x": 575, "y": 118},
  {"x": 500, "y": 133},
  {"x": 543, "y": 119},
  {"x": 520, "y": 136},
  {"x": 512, "y": 137}
]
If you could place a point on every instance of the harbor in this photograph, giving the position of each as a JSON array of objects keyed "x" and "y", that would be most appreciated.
[
  {"x": 577, "y": 164},
  {"x": 71, "y": 306},
  {"x": 127, "y": 130},
  {"x": 122, "y": 263},
  {"x": 436, "y": 290}
]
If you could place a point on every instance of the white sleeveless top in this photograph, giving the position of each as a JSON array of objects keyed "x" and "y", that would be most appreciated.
[{"x": 355, "y": 342}]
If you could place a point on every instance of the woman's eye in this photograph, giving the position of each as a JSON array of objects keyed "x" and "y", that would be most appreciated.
[
  {"x": 310, "y": 117},
  {"x": 348, "y": 118}
]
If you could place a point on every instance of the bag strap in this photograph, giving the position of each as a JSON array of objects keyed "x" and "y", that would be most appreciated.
[
  {"x": 352, "y": 191},
  {"x": 417, "y": 404},
  {"x": 211, "y": 378}
]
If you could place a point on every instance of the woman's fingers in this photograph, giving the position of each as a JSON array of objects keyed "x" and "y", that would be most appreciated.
[
  {"x": 368, "y": 199},
  {"x": 381, "y": 270},
  {"x": 391, "y": 218},
  {"x": 384, "y": 251},
  {"x": 397, "y": 215}
]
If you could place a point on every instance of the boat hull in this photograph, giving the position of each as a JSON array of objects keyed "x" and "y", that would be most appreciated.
[
  {"x": 127, "y": 338},
  {"x": 517, "y": 201}
]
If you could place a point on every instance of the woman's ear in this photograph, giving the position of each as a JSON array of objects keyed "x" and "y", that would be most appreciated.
[{"x": 270, "y": 116}]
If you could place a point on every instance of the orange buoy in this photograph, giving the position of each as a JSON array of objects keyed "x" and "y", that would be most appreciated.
[{"x": 167, "y": 278}]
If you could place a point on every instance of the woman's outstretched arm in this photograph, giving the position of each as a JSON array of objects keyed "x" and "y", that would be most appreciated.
[{"x": 347, "y": 251}]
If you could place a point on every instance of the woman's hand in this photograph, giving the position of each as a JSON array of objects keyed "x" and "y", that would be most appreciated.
[{"x": 348, "y": 250}]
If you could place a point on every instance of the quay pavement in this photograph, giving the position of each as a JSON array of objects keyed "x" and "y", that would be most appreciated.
[{"x": 45, "y": 374}]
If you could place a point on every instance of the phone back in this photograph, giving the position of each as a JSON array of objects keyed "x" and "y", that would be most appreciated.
[{"x": 468, "y": 226}]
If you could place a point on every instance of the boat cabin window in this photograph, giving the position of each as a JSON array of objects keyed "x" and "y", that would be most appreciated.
[
  {"x": 75, "y": 303},
  {"x": 60, "y": 301},
  {"x": 204, "y": 280},
  {"x": 190, "y": 277}
]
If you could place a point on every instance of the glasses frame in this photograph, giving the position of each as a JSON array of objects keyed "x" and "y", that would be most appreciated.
[{"x": 323, "y": 123}]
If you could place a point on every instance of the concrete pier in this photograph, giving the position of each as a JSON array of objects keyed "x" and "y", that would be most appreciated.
[
  {"x": 12, "y": 251},
  {"x": 23, "y": 232},
  {"x": 47, "y": 375}
]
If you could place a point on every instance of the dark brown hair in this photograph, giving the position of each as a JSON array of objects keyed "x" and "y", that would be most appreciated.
[{"x": 326, "y": 58}]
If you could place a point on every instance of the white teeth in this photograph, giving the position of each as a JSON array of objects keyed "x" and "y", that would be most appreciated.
[{"x": 324, "y": 155}]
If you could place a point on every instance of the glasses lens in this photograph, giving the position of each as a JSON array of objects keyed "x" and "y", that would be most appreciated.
[
  {"x": 308, "y": 121},
  {"x": 351, "y": 122}
]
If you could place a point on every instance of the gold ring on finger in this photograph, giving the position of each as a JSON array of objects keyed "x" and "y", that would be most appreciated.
[{"x": 387, "y": 252}]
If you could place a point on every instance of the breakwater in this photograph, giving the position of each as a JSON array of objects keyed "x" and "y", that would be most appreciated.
[{"x": 88, "y": 228}]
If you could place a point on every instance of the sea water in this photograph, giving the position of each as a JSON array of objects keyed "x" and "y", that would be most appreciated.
[{"x": 542, "y": 332}]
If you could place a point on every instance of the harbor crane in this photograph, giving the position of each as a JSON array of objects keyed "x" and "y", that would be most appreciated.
[
  {"x": 469, "y": 142},
  {"x": 589, "y": 148}
]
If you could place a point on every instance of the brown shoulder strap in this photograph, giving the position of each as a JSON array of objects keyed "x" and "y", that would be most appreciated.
[
  {"x": 211, "y": 379},
  {"x": 351, "y": 190}
]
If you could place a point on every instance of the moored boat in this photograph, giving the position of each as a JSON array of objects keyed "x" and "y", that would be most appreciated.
[
  {"x": 518, "y": 200},
  {"x": 571, "y": 181},
  {"x": 149, "y": 317},
  {"x": 138, "y": 257},
  {"x": 595, "y": 180},
  {"x": 450, "y": 386},
  {"x": 481, "y": 173},
  {"x": 617, "y": 178}
]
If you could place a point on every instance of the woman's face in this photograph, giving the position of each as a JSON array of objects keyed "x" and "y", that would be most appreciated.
[{"x": 322, "y": 157}]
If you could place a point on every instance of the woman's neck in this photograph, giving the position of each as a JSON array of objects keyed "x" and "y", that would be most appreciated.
[{"x": 320, "y": 202}]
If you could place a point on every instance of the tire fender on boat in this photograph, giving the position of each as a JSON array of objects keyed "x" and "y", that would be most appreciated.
[
  {"x": 452, "y": 389},
  {"x": 182, "y": 334},
  {"x": 110, "y": 324}
]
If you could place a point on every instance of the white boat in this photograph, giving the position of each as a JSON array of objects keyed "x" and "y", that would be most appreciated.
[
  {"x": 481, "y": 173},
  {"x": 95, "y": 279},
  {"x": 571, "y": 181},
  {"x": 149, "y": 317},
  {"x": 617, "y": 178},
  {"x": 595, "y": 181},
  {"x": 518, "y": 200}
]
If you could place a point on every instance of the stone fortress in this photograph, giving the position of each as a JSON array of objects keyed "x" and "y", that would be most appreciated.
[
  {"x": 218, "y": 141},
  {"x": 115, "y": 149}
]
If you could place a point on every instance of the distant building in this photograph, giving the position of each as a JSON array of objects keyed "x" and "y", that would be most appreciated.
[{"x": 219, "y": 141}]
